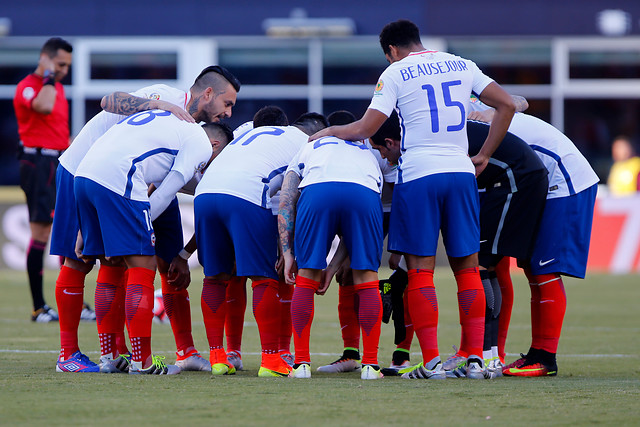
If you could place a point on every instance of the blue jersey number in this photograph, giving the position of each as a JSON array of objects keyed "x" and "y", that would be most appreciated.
[
  {"x": 253, "y": 136},
  {"x": 448, "y": 102},
  {"x": 144, "y": 117},
  {"x": 328, "y": 141}
]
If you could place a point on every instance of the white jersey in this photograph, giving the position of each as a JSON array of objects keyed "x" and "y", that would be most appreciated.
[
  {"x": 390, "y": 174},
  {"x": 332, "y": 159},
  {"x": 569, "y": 170},
  {"x": 251, "y": 167},
  {"x": 430, "y": 91},
  {"x": 142, "y": 149},
  {"x": 102, "y": 121}
]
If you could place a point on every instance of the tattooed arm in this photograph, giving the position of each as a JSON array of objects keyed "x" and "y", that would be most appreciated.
[
  {"x": 286, "y": 220},
  {"x": 126, "y": 104}
]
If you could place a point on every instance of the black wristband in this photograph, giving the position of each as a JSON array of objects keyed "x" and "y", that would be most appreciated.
[{"x": 49, "y": 78}]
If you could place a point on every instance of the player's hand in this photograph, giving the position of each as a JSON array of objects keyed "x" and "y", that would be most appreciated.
[
  {"x": 175, "y": 110},
  {"x": 394, "y": 261},
  {"x": 480, "y": 162},
  {"x": 290, "y": 268},
  {"x": 325, "y": 282},
  {"x": 481, "y": 116},
  {"x": 80, "y": 247},
  {"x": 324, "y": 132},
  {"x": 179, "y": 274}
]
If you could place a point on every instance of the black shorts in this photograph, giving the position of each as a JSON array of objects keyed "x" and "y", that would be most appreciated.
[
  {"x": 38, "y": 181},
  {"x": 509, "y": 220}
]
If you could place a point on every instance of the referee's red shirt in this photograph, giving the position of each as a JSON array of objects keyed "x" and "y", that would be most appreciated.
[{"x": 41, "y": 130}]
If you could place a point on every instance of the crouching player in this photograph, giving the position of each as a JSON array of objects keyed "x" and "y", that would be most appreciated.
[
  {"x": 340, "y": 185},
  {"x": 115, "y": 212}
]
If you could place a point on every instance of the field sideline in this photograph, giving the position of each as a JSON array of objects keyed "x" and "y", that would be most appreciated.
[{"x": 598, "y": 380}]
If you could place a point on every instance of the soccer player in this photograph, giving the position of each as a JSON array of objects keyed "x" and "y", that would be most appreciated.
[
  {"x": 210, "y": 98},
  {"x": 116, "y": 213},
  {"x": 42, "y": 112},
  {"x": 562, "y": 244},
  {"x": 236, "y": 299},
  {"x": 338, "y": 184},
  {"x": 236, "y": 227},
  {"x": 173, "y": 267},
  {"x": 436, "y": 188}
]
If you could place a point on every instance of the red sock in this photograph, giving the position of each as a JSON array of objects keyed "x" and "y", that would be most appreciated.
[
  {"x": 551, "y": 310},
  {"x": 213, "y": 302},
  {"x": 348, "y": 315},
  {"x": 302, "y": 316},
  {"x": 178, "y": 308},
  {"x": 506, "y": 287},
  {"x": 471, "y": 307},
  {"x": 370, "y": 318},
  {"x": 138, "y": 309},
  {"x": 285, "y": 293},
  {"x": 408, "y": 326},
  {"x": 109, "y": 305},
  {"x": 266, "y": 310},
  {"x": 423, "y": 306},
  {"x": 121, "y": 293},
  {"x": 69, "y": 298},
  {"x": 236, "y": 306}
]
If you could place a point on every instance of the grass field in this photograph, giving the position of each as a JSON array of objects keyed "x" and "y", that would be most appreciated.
[{"x": 598, "y": 381}]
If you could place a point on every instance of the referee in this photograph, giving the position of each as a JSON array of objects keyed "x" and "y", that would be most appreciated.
[{"x": 42, "y": 112}]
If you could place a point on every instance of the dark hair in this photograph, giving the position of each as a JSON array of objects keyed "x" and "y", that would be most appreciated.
[
  {"x": 311, "y": 123},
  {"x": 52, "y": 45},
  {"x": 221, "y": 131},
  {"x": 389, "y": 129},
  {"x": 270, "y": 115},
  {"x": 402, "y": 33},
  {"x": 341, "y": 117},
  {"x": 206, "y": 79}
]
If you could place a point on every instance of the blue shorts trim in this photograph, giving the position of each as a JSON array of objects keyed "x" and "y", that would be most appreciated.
[
  {"x": 168, "y": 230},
  {"x": 111, "y": 224},
  {"x": 349, "y": 210},
  {"x": 64, "y": 231},
  {"x": 229, "y": 231},
  {"x": 421, "y": 208},
  {"x": 562, "y": 245}
]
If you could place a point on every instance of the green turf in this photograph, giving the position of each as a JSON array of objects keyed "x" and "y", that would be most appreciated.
[{"x": 598, "y": 381}]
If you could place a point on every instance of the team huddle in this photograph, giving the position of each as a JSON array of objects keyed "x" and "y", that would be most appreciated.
[{"x": 440, "y": 150}]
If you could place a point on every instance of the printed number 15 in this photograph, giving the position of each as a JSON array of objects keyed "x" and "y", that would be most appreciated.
[{"x": 433, "y": 105}]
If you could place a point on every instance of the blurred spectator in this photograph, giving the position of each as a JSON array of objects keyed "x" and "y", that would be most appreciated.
[{"x": 623, "y": 176}]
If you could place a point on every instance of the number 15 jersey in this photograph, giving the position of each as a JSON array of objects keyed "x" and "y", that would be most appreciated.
[{"x": 430, "y": 91}]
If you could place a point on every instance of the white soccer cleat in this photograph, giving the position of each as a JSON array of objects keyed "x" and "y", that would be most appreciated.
[
  {"x": 194, "y": 362},
  {"x": 235, "y": 358},
  {"x": 341, "y": 365},
  {"x": 303, "y": 370},
  {"x": 475, "y": 368},
  {"x": 371, "y": 372},
  {"x": 158, "y": 367}
]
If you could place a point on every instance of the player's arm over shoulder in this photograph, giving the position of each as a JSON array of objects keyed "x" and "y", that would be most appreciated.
[{"x": 149, "y": 98}]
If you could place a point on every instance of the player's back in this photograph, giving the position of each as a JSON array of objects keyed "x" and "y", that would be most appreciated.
[
  {"x": 332, "y": 159},
  {"x": 141, "y": 149},
  {"x": 431, "y": 92},
  {"x": 248, "y": 164},
  {"x": 103, "y": 121},
  {"x": 511, "y": 162},
  {"x": 569, "y": 170}
]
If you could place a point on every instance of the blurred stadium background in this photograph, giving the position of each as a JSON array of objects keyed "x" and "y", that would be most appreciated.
[{"x": 577, "y": 62}]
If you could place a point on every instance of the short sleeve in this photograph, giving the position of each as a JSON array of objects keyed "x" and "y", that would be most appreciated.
[{"x": 385, "y": 94}]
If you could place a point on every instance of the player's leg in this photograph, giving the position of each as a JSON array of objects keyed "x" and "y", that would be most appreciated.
[
  {"x": 234, "y": 319},
  {"x": 36, "y": 180},
  {"x": 461, "y": 236},
  {"x": 414, "y": 229},
  {"x": 285, "y": 293},
  {"x": 169, "y": 242},
  {"x": 302, "y": 310},
  {"x": 506, "y": 289}
]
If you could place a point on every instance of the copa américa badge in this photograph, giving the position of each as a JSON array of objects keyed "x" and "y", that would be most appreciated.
[{"x": 379, "y": 87}]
